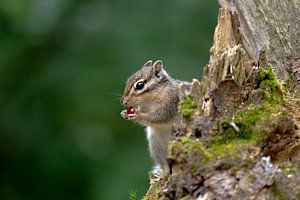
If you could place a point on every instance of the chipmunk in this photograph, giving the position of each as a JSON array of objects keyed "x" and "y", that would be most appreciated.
[{"x": 151, "y": 96}]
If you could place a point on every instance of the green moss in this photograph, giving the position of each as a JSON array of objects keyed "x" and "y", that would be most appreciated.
[
  {"x": 189, "y": 148},
  {"x": 231, "y": 134},
  {"x": 289, "y": 169},
  {"x": 298, "y": 193},
  {"x": 220, "y": 150},
  {"x": 274, "y": 90},
  {"x": 252, "y": 128},
  {"x": 153, "y": 192},
  {"x": 186, "y": 108},
  {"x": 151, "y": 175},
  {"x": 185, "y": 139},
  {"x": 199, "y": 146},
  {"x": 232, "y": 148},
  {"x": 252, "y": 122},
  {"x": 183, "y": 150},
  {"x": 255, "y": 125},
  {"x": 249, "y": 122},
  {"x": 266, "y": 74},
  {"x": 277, "y": 193},
  {"x": 253, "y": 114}
]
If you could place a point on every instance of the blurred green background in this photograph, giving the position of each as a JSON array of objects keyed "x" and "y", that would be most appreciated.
[{"x": 63, "y": 65}]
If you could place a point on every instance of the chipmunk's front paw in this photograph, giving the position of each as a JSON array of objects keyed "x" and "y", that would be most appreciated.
[
  {"x": 131, "y": 114},
  {"x": 124, "y": 114}
]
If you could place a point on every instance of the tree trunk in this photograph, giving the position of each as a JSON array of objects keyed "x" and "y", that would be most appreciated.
[{"x": 239, "y": 137}]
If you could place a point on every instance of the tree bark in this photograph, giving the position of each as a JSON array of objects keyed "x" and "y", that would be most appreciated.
[
  {"x": 272, "y": 26},
  {"x": 239, "y": 137}
]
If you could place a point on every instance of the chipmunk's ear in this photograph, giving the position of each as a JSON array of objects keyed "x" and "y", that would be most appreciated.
[
  {"x": 148, "y": 63},
  {"x": 157, "y": 67}
]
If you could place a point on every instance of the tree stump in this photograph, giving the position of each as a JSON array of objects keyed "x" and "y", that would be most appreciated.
[{"x": 239, "y": 137}]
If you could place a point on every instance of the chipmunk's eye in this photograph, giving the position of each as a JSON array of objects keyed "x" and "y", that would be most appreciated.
[{"x": 139, "y": 85}]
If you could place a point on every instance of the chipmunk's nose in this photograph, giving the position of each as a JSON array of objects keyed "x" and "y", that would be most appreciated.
[{"x": 124, "y": 101}]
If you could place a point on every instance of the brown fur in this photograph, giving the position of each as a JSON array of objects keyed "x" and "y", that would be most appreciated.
[{"x": 157, "y": 104}]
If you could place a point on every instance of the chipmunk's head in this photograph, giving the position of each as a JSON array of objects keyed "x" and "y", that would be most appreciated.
[{"x": 142, "y": 86}]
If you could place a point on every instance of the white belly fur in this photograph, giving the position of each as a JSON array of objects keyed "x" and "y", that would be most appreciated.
[{"x": 158, "y": 138}]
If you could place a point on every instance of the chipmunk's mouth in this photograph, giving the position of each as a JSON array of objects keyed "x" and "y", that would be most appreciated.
[{"x": 132, "y": 109}]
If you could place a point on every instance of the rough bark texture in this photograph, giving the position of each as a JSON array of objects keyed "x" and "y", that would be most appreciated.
[
  {"x": 272, "y": 26},
  {"x": 239, "y": 137}
]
